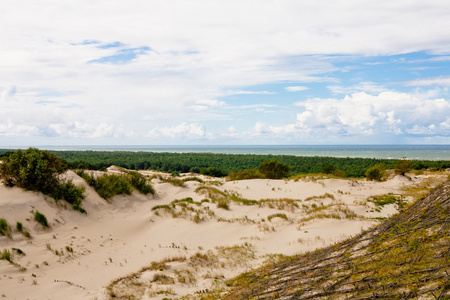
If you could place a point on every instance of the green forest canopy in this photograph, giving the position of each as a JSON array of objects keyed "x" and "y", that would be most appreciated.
[{"x": 225, "y": 163}]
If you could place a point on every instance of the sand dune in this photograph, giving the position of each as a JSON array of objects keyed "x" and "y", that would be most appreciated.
[{"x": 81, "y": 254}]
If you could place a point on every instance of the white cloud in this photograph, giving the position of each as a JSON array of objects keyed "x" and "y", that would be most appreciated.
[
  {"x": 173, "y": 53},
  {"x": 182, "y": 130},
  {"x": 8, "y": 93},
  {"x": 364, "y": 114},
  {"x": 296, "y": 88},
  {"x": 436, "y": 81},
  {"x": 202, "y": 105},
  {"x": 231, "y": 92},
  {"x": 367, "y": 87}
]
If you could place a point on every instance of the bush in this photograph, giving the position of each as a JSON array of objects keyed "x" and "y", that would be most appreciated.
[
  {"x": 328, "y": 168},
  {"x": 32, "y": 170},
  {"x": 89, "y": 178},
  {"x": 338, "y": 173},
  {"x": 72, "y": 194},
  {"x": 40, "y": 171},
  {"x": 273, "y": 169},
  {"x": 402, "y": 167},
  {"x": 246, "y": 174},
  {"x": 214, "y": 172},
  {"x": 41, "y": 219},
  {"x": 195, "y": 170},
  {"x": 139, "y": 182},
  {"x": 376, "y": 172},
  {"x": 108, "y": 186}
]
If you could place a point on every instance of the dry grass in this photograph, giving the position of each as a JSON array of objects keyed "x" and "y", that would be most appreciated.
[{"x": 406, "y": 257}]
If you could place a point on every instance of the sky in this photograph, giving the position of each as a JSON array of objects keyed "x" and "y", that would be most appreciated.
[{"x": 209, "y": 72}]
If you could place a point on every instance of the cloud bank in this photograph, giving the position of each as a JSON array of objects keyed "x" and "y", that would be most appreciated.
[{"x": 177, "y": 71}]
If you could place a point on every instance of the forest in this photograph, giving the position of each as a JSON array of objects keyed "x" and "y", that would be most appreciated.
[{"x": 224, "y": 164}]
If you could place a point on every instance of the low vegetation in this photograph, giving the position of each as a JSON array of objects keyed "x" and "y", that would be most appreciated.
[
  {"x": 41, "y": 219},
  {"x": 110, "y": 185},
  {"x": 406, "y": 257},
  {"x": 41, "y": 171},
  {"x": 5, "y": 228},
  {"x": 377, "y": 172},
  {"x": 162, "y": 275}
]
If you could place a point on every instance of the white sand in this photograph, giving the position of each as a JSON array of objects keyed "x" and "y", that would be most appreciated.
[{"x": 114, "y": 240}]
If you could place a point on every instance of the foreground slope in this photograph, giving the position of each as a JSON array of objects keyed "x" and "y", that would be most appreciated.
[
  {"x": 180, "y": 241},
  {"x": 408, "y": 256}
]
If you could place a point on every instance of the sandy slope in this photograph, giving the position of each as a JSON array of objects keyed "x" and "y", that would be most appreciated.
[{"x": 116, "y": 239}]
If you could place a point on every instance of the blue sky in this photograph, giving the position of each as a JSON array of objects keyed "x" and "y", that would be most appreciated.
[{"x": 224, "y": 72}]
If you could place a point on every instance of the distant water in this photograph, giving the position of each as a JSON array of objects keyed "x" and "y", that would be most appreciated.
[{"x": 419, "y": 152}]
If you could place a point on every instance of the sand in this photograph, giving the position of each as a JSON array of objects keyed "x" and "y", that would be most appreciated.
[{"x": 81, "y": 254}]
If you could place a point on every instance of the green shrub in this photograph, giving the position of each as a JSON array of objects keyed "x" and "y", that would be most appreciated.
[
  {"x": 41, "y": 219},
  {"x": 376, "y": 172},
  {"x": 108, "y": 186},
  {"x": 246, "y": 174},
  {"x": 214, "y": 172},
  {"x": 72, "y": 194},
  {"x": 89, "y": 178},
  {"x": 32, "y": 169},
  {"x": 328, "y": 168},
  {"x": 403, "y": 166},
  {"x": 273, "y": 169},
  {"x": 338, "y": 173},
  {"x": 19, "y": 227},
  {"x": 40, "y": 171},
  {"x": 139, "y": 182},
  {"x": 195, "y": 170}
]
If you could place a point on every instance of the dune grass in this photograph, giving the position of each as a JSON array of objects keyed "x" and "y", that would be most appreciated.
[
  {"x": 406, "y": 257},
  {"x": 41, "y": 219},
  {"x": 110, "y": 185}
]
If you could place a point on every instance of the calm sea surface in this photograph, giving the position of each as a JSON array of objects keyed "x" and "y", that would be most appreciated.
[{"x": 421, "y": 152}]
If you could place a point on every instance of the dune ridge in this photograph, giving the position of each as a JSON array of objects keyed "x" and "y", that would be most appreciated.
[{"x": 117, "y": 246}]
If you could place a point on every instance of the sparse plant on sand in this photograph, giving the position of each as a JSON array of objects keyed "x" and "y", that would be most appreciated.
[
  {"x": 19, "y": 227},
  {"x": 278, "y": 215},
  {"x": 324, "y": 196},
  {"x": 163, "y": 279},
  {"x": 6, "y": 255},
  {"x": 41, "y": 219},
  {"x": 223, "y": 203},
  {"x": 210, "y": 192},
  {"x": 5, "y": 228}
]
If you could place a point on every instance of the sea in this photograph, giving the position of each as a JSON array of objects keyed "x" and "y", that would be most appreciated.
[{"x": 413, "y": 152}]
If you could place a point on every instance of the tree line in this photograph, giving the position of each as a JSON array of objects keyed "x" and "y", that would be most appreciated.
[{"x": 224, "y": 164}]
